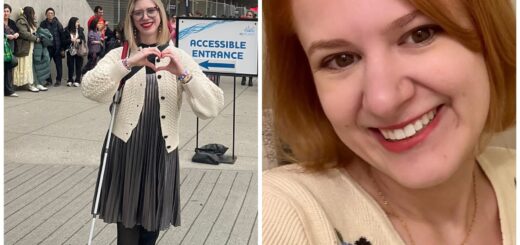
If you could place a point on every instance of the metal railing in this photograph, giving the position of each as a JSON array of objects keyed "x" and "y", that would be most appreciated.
[{"x": 205, "y": 8}]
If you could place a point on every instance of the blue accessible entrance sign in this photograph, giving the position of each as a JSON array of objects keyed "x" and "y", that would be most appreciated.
[{"x": 220, "y": 46}]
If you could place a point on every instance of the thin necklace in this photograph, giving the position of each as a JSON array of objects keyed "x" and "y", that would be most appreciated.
[{"x": 390, "y": 211}]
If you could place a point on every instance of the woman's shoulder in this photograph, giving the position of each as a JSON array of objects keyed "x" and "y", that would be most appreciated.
[
  {"x": 296, "y": 181},
  {"x": 21, "y": 20},
  {"x": 11, "y": 22},
  {"x": 298, "y": 171},
  {"x": 183, "y": 54},
  {"x": 499, "y": 163},
  {"x": 171, "y": 45},
  {"x": 279, "y": 177},
  {"x": 498, "y": 157},
  {"x": 115, "y": 53},
  {"x": 293, "y": 213}
]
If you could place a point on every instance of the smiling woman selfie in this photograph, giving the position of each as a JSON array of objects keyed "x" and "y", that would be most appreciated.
[
  {"x": 385, "y": 109},
  {"x": 140, "y": 186}
]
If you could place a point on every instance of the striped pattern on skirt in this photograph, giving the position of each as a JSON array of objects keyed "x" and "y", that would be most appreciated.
[{"x": 141, "y": 183}]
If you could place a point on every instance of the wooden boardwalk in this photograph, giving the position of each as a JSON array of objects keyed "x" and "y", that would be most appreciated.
[{"x": 50, "y": 204}]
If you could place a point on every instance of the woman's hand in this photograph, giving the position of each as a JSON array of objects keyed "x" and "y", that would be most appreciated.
[
  {"x": 10, "y": 37},
  {"x": 175, "y": 67},
  {"x": 141, "y": 57}
]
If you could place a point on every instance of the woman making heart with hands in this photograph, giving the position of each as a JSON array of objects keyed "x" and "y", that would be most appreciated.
[
  {"x": 142, "y": 58},
  {"x": 140, "y": 189}
]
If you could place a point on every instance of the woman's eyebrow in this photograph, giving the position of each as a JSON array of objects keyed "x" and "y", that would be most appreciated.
[
  {"x": 327, "y": 44},
  {"x": 335, "y": 43},
  {"x": 403, "y": 20}
]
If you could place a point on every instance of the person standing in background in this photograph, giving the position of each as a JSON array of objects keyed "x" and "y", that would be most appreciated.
[
  {"x": 95, "y": 44},
  {"x": 106, "y": 33},
  {"x": 23, "y": 73},
  {"x": 74, "y": 36},
  {"x": 249, "y": 15},
  {"x": 12, "y": 34},
  {"x": 56, "y": 51},
  {"x": 41, "y": 58},
  {"x": 98, "y": 13},
  {"x": 117, "y": 40},
  {"x": 172, "y": 27}
]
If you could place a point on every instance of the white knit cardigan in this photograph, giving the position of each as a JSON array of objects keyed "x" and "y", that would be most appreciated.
[
  {"x": 204, "y": 97},
  {"x": 307, "y": 208}
]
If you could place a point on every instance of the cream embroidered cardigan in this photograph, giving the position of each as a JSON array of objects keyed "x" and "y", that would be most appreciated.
[
  {"x": 305, "y": 208},
  {"x": 204, "y": 97}
]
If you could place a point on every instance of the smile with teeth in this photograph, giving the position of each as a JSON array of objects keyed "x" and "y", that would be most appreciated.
[{"x": 409, "y": 130}]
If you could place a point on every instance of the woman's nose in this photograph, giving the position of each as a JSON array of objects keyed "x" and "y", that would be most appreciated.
[{"x": 388, "y": 86}]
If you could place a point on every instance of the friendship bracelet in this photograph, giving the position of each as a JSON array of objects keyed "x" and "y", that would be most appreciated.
[{"x": 185, "y": 77}]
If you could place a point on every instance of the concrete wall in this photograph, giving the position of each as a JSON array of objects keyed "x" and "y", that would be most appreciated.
[{"x": 64, "y": 10}]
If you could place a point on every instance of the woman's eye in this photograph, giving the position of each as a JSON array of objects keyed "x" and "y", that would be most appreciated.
[
  {"x": 421, "y": 35},
  {"x": 340, "y": 61}
]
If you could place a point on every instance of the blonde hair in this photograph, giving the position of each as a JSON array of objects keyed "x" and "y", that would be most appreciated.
[
  {"x": 298, "y": 118},
  {"x": 163, "y": 34}
]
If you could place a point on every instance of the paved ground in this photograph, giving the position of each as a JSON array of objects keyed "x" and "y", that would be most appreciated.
[{"x": 52, "y": 145}]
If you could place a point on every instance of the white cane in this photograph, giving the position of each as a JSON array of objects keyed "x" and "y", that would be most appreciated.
[{"x": 96, "y": 205}]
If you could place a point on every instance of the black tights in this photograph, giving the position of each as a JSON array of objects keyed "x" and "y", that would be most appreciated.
[{"x": 136, "y": 235}]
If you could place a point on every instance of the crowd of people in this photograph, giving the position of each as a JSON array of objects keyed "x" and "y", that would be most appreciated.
[{"x": 34, "y": 45}]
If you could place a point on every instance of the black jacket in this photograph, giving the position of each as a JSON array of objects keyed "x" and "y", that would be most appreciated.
[
  {"x": 67, "y": 40},
  {"x": 12, "y": 25},
  {"x": 56, "y": 29}
]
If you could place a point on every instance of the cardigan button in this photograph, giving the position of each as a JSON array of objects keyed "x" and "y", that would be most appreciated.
[
  {"x": 166, "y": 136},
  {"x": 162, "y": 98},
  {"x": 163, "y": 116},
  {"x": 168, "y": 147},
  {"x": 158, "y": 60},
  {"x": 159, "y": 76}
]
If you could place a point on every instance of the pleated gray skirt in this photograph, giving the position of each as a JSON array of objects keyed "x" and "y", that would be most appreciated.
[{"x": 141, "y": 182}]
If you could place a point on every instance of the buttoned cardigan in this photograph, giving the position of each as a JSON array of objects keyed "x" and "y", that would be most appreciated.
[
  {"x": 100, "y": 84},
  {"x": 301, "y": 207}
]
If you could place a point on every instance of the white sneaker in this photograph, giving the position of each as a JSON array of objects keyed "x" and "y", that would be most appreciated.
[
  {"x": 13, "y": 95},
  {"x": 69, "y": 84},
  {"x": 41, "y": 88},
  {"x": 76, "y": 84},
  {"x": 32, "y": 88}
]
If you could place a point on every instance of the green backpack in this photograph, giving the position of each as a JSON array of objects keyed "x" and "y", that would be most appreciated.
[{"x": 8, "y": 53}]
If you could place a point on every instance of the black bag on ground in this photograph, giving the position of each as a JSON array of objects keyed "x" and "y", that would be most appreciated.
[{"x": 210, "y": 154}]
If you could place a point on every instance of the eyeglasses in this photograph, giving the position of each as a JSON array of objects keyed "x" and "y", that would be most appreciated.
[{"x": 150, "y": 12}]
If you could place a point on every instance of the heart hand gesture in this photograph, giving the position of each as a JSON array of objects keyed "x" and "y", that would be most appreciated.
[
  {"x": 141, "y": 57},
  {"x": 174, "y": 66}
]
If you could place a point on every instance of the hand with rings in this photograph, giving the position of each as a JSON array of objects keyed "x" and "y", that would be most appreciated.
[{"x": 141, "y": 57}]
